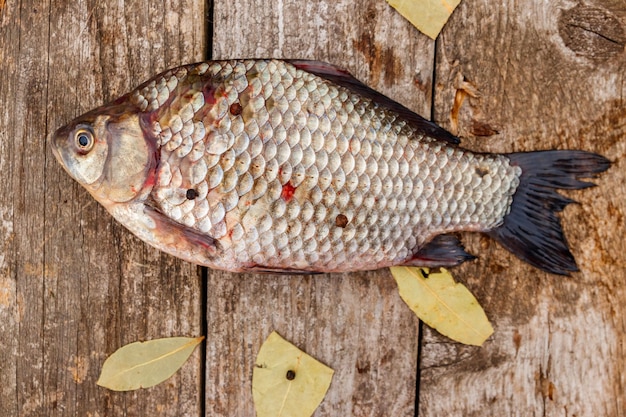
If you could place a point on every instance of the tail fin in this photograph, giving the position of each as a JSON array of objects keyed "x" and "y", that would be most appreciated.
[{"x": 532, "y": 229}]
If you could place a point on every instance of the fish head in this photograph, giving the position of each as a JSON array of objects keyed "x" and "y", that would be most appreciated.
[{"x": 109, "y": 152}]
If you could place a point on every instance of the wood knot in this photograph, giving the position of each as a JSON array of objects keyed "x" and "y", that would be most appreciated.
[{"x": 592, "y": 32}]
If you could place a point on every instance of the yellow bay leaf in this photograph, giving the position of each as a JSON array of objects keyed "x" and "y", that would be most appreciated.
[
  {"x": 286, "y": 382},
  {"x": 443, "y": 304},
  {"x": 145, "y": 364},
  {"x": 429, "y": 16}
]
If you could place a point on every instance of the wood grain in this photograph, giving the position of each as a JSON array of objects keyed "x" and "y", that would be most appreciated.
[
  {"x": 558, "y": 348},
  {"x": 11, "y": 343},
  {"x": 355, "y": 323},
  {"x": 76, "y": 286}
]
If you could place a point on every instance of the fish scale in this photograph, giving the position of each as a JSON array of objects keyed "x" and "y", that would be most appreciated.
[
  {"x": 296, "y": 166},
  {"x": 341, "y": 153}
]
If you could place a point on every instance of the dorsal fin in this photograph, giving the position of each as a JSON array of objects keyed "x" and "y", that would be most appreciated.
[{"x": 343, "y": 78}]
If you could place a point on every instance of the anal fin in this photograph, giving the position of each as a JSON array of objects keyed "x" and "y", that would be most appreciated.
[{"x": 442, "y": 250}]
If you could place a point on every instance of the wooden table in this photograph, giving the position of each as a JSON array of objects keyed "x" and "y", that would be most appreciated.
[{"x": 75, "y": 285}]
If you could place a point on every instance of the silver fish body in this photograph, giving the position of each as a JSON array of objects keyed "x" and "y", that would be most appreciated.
[{"x": 295, "y": 166}]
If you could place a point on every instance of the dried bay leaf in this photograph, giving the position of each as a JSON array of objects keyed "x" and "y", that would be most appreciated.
[
  {"x": 145, "y": 364},
  {"x": 443, "y": 304},
  {"x": 286, "y": 382},
  {"x": 429, "y": 16}
]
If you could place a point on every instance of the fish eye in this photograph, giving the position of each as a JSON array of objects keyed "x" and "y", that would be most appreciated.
[{"x": 84, "y": 140}]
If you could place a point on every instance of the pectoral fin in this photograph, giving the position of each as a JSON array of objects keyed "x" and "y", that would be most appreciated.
[{"x": 180, "y": 240}]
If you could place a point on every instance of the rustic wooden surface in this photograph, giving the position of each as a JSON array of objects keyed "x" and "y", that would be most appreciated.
[
  {"x": 75, "y": 286},
  {"x": 355, "y": 323},
  {"x": 550, "y": 75}
]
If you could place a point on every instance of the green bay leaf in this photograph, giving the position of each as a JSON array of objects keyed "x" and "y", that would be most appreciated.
[
  {"x": 443, "y": 304},
  {"x": 286, "y": 382},
  {"x": 145, "y": 364}
]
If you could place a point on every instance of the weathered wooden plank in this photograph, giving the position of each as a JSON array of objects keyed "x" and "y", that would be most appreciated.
[
  {"x": 545, "y": 82},
  {"x": 23, "y": 128},
  {"x": 10, "y": 312},
  {"x": 74, "y": 285},
  {"x": 355, "y": 323}
]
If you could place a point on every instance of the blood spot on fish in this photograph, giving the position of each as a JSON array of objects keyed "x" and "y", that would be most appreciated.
[
  {"x": 209, "y": 94},
  {"x": 341, "y": 220},
  {"x": 236, "y": 109},
  {"x": 288, "y": 191},
  {"x": 151, "y": 180},
  {"x": 191, "y": 194},
  {"x": 482, "y": 171}
]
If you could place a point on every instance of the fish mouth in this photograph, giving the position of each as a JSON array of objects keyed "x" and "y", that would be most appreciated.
[
  {"x": 51, "y": 141},
  {"x": 55, "y": 143}
]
